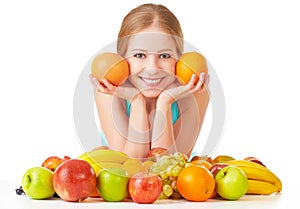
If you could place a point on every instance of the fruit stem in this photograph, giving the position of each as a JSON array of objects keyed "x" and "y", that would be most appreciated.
[{"x": 28, "y": 178}]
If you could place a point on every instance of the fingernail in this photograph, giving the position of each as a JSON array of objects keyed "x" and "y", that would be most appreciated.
[{"x": 202, "y": 76}]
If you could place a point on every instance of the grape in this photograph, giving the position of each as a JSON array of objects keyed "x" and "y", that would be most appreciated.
[
  {"x": 167, "y": 190},
  {"x": 162, "y": 196},
  {"x": 168, "y": 168},
  {"x": 163, "y": 175},
  {"x": 20, "y": 191},
  {"x": 176, "y": 195},
  {"x": 173, "y": 185},
  {"x": 172, "y": 178},
  {"x": 167, "y": 181},
  {"x": 176, "y": 170}
]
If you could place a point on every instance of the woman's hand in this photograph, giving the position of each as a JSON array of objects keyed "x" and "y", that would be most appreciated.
[
  {"x": 125, "y": 91},
  {"x": 176, "y": 92}
]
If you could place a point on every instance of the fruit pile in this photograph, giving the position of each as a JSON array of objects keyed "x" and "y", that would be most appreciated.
[{"x": 114, "y": 176}]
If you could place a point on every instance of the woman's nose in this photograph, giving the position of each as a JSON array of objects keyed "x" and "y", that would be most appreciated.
[{"x": 152, "y": 62}]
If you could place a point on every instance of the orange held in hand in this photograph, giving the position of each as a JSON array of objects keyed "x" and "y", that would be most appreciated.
[
  {"x": 196, "y": 183},
  {"x": 111, "y": 66},
  {"x": 188, "y": 64}
]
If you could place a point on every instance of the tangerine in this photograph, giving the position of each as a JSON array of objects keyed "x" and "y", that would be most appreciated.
[
  {"x": 111, "y": 66},
  {"x": 204, "y": 163},
  {"x": 188, "y": 64},
  {"x": 195, "y": 183}
]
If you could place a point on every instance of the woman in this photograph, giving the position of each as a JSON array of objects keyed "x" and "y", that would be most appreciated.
[{"x": 151, "y": 109}]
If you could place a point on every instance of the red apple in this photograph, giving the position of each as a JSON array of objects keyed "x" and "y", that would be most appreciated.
[
  {"x": 53, "y": 162},
  {"x": 215, "y": 168},
  {"x": 144, "y": 187},
  {"x": 155, "y": 153},
  {"x": 255, "y": 160},
  {"x": 74, "y": 180}
]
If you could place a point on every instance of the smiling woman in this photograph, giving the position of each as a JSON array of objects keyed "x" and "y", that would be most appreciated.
[
  {"x": 152, "y": 59},
  {"x": 151, "y": 109}
]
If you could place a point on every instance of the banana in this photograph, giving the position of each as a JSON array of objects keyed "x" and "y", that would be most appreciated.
[
  {"x": 133, "y": 166},
  {"x": 261, "y": 187},
  {"x": 255, "y": 171},
  {"x": 222, "y": 159},
  {"x": 99, "y": 159},
  {"x": 244, "y": 162},
  {"x": 103, "y": 165},
  {"x": 102, "y": 155}
]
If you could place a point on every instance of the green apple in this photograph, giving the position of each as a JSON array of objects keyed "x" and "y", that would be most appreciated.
[
  {"x": 231, "y": 183},
  {"x": 112, "y": 184},
  {"x": 37, "y": 183}
]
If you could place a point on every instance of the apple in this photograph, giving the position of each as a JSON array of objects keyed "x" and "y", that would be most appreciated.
[
  {"x": 144, "y": 187},
  {"x": 37, "y": 183},
  {"x": 53, "y": 162},
  {"x": 215, "y": 168},
  {"x": 255, "y": 160},
  {"x": 74, "y": 180},
  {"x": 231, "y": 183},
  {"x": 156, "y": 152},
  {"x": 112, "y": 184}
]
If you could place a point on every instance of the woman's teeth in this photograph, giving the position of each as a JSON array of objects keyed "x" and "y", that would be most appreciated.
[{"x": 152, "y": 81}]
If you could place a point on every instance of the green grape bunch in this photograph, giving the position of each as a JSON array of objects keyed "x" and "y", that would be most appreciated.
[{"x": 168, "y": 168}]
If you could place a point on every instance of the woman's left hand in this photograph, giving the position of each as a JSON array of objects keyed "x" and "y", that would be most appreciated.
[{"x": 175, "y": 92}]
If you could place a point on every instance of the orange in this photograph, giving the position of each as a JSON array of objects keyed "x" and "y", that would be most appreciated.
[
  {"x": 196, "y": 183},
  {"x": 206, "y": 158},
  {"x": 188, "y": 64},
  {"x": 202, "y": 163},
  {"x": 111, "y": 66}
]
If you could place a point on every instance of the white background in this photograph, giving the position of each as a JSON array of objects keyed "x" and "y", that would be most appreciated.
[{"x": 254, "y": 47}]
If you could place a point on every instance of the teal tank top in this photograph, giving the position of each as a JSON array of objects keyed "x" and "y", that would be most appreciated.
[
  {"x": 175, "y": 116},
  {"x": 174, "y": 109}
]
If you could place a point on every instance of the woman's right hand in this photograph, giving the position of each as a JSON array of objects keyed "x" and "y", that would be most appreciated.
[{"x": 125, "y": 91}]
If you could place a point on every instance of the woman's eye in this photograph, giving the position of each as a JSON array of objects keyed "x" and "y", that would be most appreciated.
[
  {"x": 164, "y": 56},
  {"x": 139, "y": 55}
]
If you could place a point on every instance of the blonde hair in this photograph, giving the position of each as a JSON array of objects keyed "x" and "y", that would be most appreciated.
[{"x": 144, "y": 16}]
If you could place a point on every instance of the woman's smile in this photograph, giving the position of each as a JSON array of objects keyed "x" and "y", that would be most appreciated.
[
  {"x": 152, "y": 79},
  {"x": 151, "y": 82}
]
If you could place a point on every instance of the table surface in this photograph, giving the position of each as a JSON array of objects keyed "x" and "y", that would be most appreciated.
[{"x": 287, "y": 197}]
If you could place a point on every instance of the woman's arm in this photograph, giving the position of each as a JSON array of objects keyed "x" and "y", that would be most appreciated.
[
  {"x": 193, "y": 110},
  {"x": 193, "y": 104},
  {"x": 162, "y": 132},
  {"x": 138, "y": 129},
  {"x": 113, "y": 120},
  {"x": 123, "y": 133}
]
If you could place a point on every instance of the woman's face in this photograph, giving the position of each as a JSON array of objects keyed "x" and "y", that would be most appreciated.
[{"x": 152, "y": 58}]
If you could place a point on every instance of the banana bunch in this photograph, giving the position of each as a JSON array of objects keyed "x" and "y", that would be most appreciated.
[
  {"x": 105, "y": 158},
  {"x": 260, "y": 179}
]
